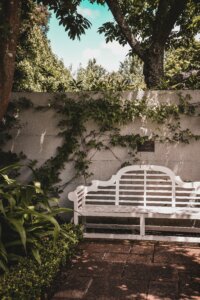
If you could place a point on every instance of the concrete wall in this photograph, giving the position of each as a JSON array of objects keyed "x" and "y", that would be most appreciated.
[{"x": 38, "y": 140}]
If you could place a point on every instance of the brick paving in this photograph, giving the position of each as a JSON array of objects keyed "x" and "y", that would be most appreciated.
[{"x": 107, "y": 270}]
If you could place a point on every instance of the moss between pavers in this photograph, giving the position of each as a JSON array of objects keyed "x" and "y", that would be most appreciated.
[{"x": 28, "y": 280}]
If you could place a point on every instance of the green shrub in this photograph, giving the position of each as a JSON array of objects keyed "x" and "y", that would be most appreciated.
[
  {"x": 29, "y": 280},
  {"x": 26, "y": 219}
]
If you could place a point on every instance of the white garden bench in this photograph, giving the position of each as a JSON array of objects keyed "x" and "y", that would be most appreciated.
[{"x": 143, "y": 192}]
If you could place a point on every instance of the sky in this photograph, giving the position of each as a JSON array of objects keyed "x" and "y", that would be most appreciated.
[{"x": 91, "y": 45}]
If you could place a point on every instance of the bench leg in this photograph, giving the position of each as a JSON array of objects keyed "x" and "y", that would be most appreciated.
[
  {"x": 142, "y": 225},
  {"x": 75, "y": 218}
]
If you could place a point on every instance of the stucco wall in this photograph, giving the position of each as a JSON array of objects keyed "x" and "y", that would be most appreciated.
[{"x": 38, "y": 140}]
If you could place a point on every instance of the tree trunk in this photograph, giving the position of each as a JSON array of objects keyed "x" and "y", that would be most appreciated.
[
  {"x": 154, "y": 66},
  {"x": 9, "y": 30}
]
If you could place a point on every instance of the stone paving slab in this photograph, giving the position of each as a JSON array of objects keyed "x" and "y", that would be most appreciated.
[
  {"x": 163, "y": 290},
  {"x": 109, "y": 270},
  {"x": 117, "y": 289}
]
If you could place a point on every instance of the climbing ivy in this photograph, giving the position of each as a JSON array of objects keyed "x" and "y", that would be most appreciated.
[{"x": 108, "y": 111}]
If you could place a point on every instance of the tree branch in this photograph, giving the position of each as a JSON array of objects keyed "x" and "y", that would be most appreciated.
[
  {"x": 167, "y": 14},
  {"x": 119, "y": 18}
]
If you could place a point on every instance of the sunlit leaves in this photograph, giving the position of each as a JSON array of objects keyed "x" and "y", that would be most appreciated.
[{"x": 37, "y": 68}]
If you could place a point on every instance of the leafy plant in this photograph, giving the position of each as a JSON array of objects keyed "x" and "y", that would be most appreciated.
[
  {"x": 28, "y": 280},
  {"x": 27, "y": 217}
]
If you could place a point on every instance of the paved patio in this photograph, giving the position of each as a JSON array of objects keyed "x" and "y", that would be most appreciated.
[{"x": 107, "y": 270}]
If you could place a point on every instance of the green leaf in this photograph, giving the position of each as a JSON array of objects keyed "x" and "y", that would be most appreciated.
[
  {"x": 7, "y": 179},
  {"x": 13, "y": 257},
  {"x": 18, "y": 227},
  {"x": 11, "y": 200},
  {"x": 3, "y": 252},
  {"x": 56, "y": 211},
  {"x": 36, "y": 255},
  {"x": 2, "y": 208},
  {"x": 37, "y": 186},
  {"x": 3, "y": 266},
  {"x": 10, "y": 167}
]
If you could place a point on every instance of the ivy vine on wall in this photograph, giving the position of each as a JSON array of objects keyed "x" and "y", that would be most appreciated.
[{"x": 109, "y": 112}]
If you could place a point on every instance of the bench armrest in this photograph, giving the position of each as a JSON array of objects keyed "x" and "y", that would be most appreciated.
[
  {"x": 72, "y": 196},
  {"x": 193, "y": 185},
  {"x": 77, "y": 195}
]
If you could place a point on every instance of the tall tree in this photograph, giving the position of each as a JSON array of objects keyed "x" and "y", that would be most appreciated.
[
  {"x": 147, "y": 26},
  {"x": 37, "y": 67}
]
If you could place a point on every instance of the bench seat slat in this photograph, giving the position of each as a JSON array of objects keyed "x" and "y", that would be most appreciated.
[
  {"x": 141, "y": 174},
  {"x": 147, "y": 196},
  {"x": 191, "y": 197},
  {"x": 148, "y": 180},
  {"x": 100, "y": 195},
  {"x": 148, "y": 191},
  {"x": 188, "y": 204},
  {"x": 99, "y": 200},
  {"x": 147, "y": 185},
  {"x": 126, "y": 211}
]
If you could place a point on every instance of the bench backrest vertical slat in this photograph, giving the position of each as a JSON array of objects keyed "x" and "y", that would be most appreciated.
[
  {"x": 117, "y": 192},
  {"x": 145, "y": 188},
  {"x": 173, "y": 194},
  {"x": 85, "y": 193}
]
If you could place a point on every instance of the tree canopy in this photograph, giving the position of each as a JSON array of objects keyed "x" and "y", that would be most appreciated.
[
  {"x": 183, "y": 67},
  {"x": 37, "y": 68},
  {"x": 149, "y": 27},
  {"x": 95, "y": 78}
]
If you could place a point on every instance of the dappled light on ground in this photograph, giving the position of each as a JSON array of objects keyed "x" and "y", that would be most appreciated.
[{"x": 131, "y": 270}]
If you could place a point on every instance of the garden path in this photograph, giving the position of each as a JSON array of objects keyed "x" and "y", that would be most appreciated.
[{"x": 107, "y": 270}]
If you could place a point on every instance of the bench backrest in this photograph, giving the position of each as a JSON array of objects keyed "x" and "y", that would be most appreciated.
[{"x": 144, "y": 186}]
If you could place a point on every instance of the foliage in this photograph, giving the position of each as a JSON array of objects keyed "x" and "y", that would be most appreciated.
[
  {"x": 11, "y": 119},
  {"x": 68, "y": 16},
  {"x": 29, "y": 280},
  {"x": 108, "y": 112},
  {"x": 95, "y": 78},
  {"x": 27, "y": 216},
  {"x": 148, "y": 27},
  {"x": 151, "y": 27},
  {"x": 183, "y": 68},
  {"x": 90, "y": 78},
  {"x": 131, "y": 70},
  {"x": 37, "y": 68},
  {"x": 141, "y": 16}
]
